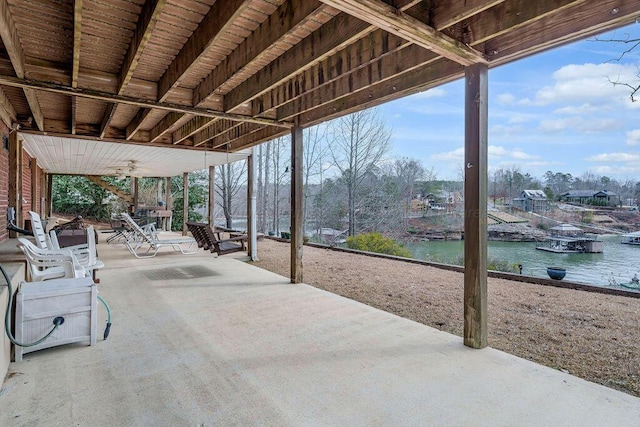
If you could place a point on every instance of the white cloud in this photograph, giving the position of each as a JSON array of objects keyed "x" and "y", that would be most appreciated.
[
  {"x": 498, "y": 151},
  {"x": 614, "y": 157},
  {"x": 436, "y": 92},
  {"x": 633, "y": 137},
  {"x": 586, "y": 84},
  {"x": 506, "y": 99},
  {"x": 578, "y": 110},
  {"x": 456, "y": 155},
  {"x": 578, "y": 124}
]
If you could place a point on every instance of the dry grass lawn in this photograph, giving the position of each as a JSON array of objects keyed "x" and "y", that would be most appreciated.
[{"x": 592, "y": 336}]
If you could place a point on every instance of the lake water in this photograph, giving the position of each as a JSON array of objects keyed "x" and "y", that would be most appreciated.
[{"x": 618, "y": 261}]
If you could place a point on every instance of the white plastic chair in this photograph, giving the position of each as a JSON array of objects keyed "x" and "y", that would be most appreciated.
[
  {"x": 45, "y": 264},
  {"x": 85, "y": 253}
]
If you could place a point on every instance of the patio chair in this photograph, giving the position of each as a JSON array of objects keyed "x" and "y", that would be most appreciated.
[
  {"x": 84, "y": 253},
  {"x": 212, "y": 241},
  {"x": 148, "y": 235},
  {"x": 39, "y": 233},
  {"x": 45, "y": 264}
]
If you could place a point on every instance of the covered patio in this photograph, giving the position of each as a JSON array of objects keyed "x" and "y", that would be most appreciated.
[{"x": 216, "y": 341}]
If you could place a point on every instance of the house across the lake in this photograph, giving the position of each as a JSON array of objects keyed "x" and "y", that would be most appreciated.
[
  {"x": 591, "y": 197},
  {"x": 532, "y": 201}
]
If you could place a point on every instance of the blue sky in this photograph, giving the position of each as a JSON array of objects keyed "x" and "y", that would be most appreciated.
[{"x": 554, "y": 111}]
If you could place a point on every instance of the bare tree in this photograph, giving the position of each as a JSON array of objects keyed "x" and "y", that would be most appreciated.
[
  {"x": 314, "y": 154},
  {"x": 359, "y": 143},
  {"x": 232, "y": 177},
  {"x": 280, "y": 160},
  {"x": 629, "y": 44},
  {"x": 407, "y": 171}
]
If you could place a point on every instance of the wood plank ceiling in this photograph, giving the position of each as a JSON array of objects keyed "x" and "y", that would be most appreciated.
[{"x": 228, "y": 74}]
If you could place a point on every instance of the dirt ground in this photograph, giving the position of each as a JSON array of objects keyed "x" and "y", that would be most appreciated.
[{"x": 592, "y": 336}]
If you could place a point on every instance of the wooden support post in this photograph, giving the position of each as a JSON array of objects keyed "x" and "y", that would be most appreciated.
[
  {"x": 49, "y": 195},
  {"x": 185, "y": 202},
  {"x": 34, "y": 185},
  {"x": 297, "y": 212},
  {"x": 43, "y": 194},
  {"x": 167, "y": 199},
  {"x": 475, "y": 206},
  {"x": 158, "y": 191},
  {"x": 212, "y": 195},
  {"x": 136, "y": 194},
  {"x": 15, "y": 179},
  {"x": 251, "y": 207},
  {"x": 253, "y": 237}
]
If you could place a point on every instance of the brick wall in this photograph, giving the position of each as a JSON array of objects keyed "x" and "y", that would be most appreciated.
[
  {"x": 26, "y": 186},
  {"x": 4, "y": 183}
]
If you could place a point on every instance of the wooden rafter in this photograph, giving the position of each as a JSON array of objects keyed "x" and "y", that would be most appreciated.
[
  {"x": 211, "y": 132},
  {"x": 547, "y": 32},
  {"x": 449, "y": 12},
  {"x": 12, "y": 45},
  {"x": 220, "y": 16},
  {"x": 146, "y": 24},
  {"x": 376, "y": 45},
  {"x": 164, "y": 125},
  {"x": 129, "y": 100},
  {"x": 190, "y": 128},
  {"x": 441, "y": 71},
  {"x": 7, "y": 113},
  {"x": 386, "y": 68},
  {"x": 390, "y": 19},
  {"x": 77, "y": 40},
  {"x": 74, "y": 108},
  {"x": 332, "y": 37},
  {"x": 284, "y": 21}
]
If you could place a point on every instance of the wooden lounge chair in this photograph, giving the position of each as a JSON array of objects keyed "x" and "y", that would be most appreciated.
[
  {"x": 212, "y": 241},
  {"x": 140, "y": 237}
]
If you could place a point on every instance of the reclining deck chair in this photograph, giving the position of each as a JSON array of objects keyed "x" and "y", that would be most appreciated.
[
  {"x": 212, "y": 241},
  {"x": 140, "y": 237}
]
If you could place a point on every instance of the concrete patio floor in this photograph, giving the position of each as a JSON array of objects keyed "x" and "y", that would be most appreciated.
[{"x": 200, "y": 340}]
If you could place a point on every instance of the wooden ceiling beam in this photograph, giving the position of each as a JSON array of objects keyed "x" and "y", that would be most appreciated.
[
  {"x": 7, "y": 113},
  {"x": 77, "y": 40},
  {"x": 256, "y": 137},
  {"x": 449, "y": 12},
  {"x": 441, "y": 71},
  {"x": 74, "y": 108},
  {"x": 221, "y": 15},
  {"x": 146, "y": 24},
  {"x": 12, "y": 45},
  {"x": 325, "y": 41},
  {"x": 285, "y": 20},
  {"x": 511, "y": 15},
  {"x": 551, "y": 30},
  {"x": 388, "y": 67},
  {"x": 332, "y": 37},
  {"x": 129, "y": 100},
  {"x": 390, "y": 19},
  {"x": 190, "y": 128},
  {"x": 215, "y": 130},
  {"x": 106, "y": 119},
  {"x": 363, "y": 52},
  {"x": 236, "y": 131},
  {"x": 134, "y": 125},
  {"x": 164, "y": 125}
]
